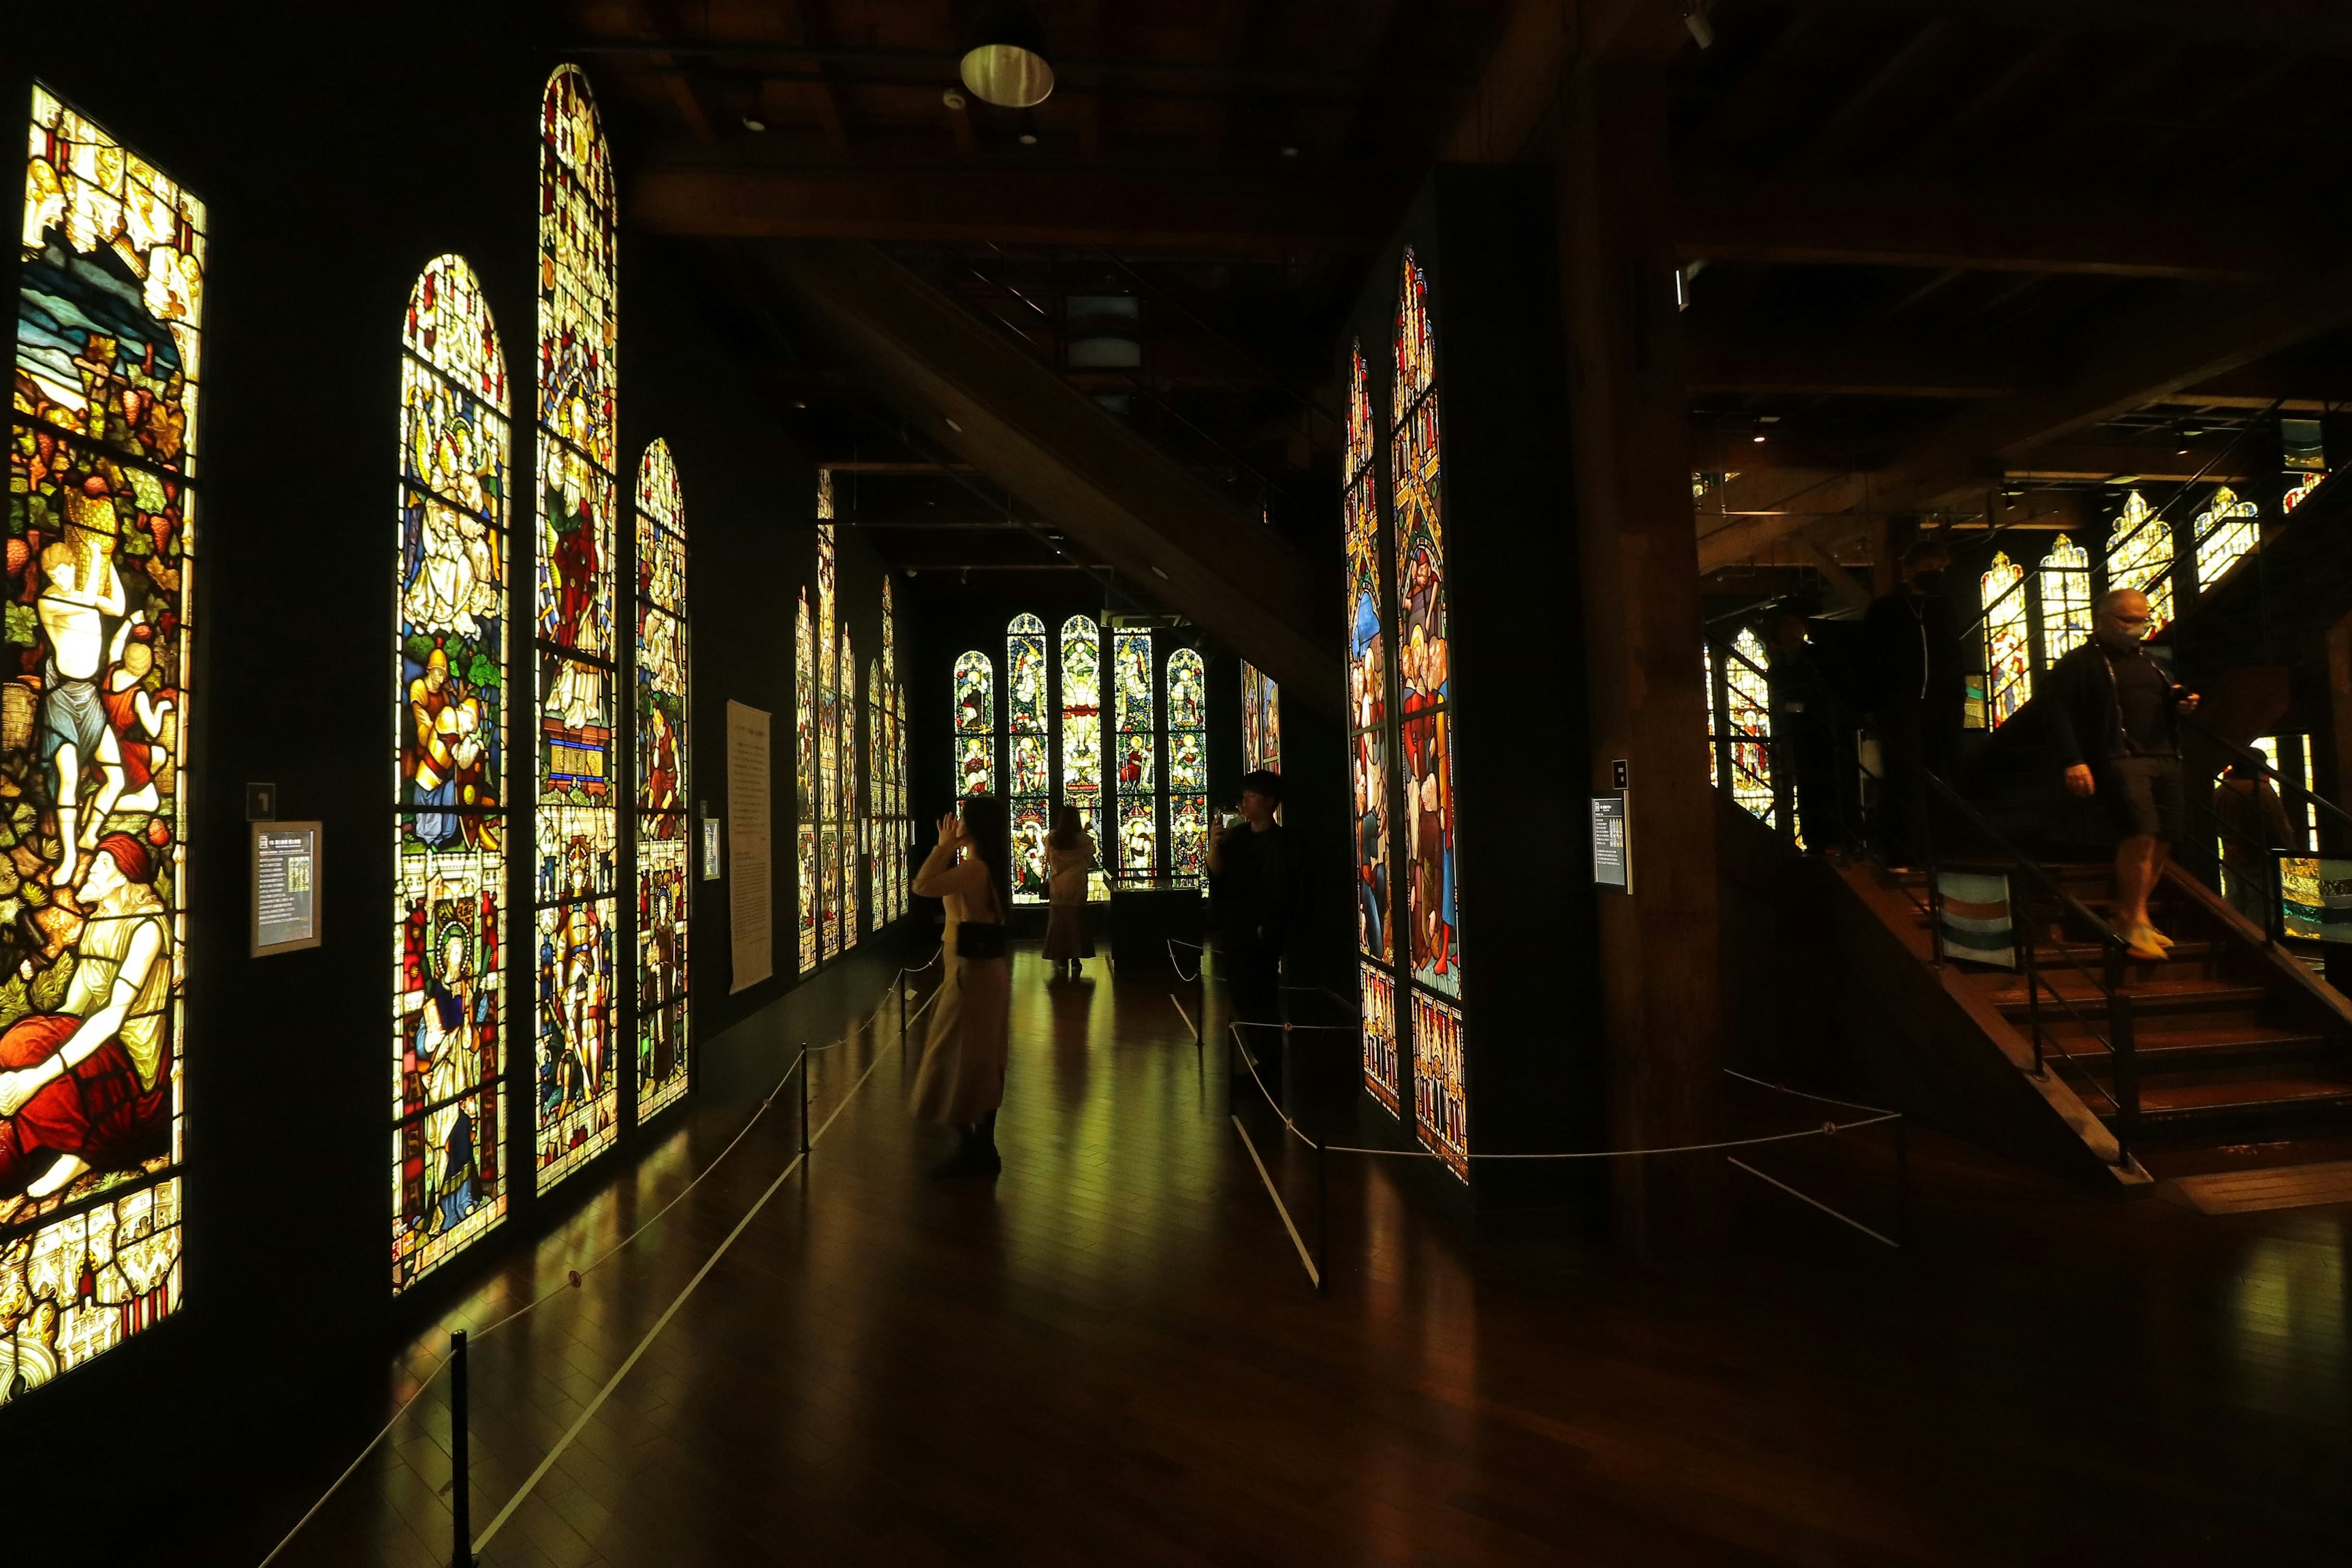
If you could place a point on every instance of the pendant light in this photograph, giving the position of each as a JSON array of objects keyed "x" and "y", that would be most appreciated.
[{"x": 1005, "y": 61}]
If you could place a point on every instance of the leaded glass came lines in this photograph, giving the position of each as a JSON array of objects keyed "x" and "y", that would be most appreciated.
[
  {"x": 2008, "y": 654},
  {"x": 575, "y": 902},
  {"x": 2065, "y": 584},
  {"x": 101, "y": 563},
  {"x": 449, "y": 1036},
  {"x": 975, "y": 723},
  {"x": 2139, "y": 555},
  {"x": 1137, "y": 853},
  {"x": 1082, "y": 737},
  {"x": 1188, "y": 767},
  {"x": 1748, "y": 709},
  {"x": 828, "y": 731},
  {"x": 804, "y": 777},
  {"x": 2227, "y": 529},
  {"x": 664, "y": 870},
  {"x": 1368, "y": 623}
]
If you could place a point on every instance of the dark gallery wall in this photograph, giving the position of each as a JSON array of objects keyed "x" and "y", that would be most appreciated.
[{"x": 330, "y": 177}]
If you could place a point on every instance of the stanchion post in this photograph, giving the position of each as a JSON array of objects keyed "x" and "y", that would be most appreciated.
[
  {"x": 1903, "y": 1182},
  {"x": 804, "y": 1074},
  {"x": 1322, "y": 1227},
  {"x": 461, "y": 1523}
]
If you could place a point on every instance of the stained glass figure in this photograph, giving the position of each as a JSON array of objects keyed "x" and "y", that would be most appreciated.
[
  {"x": 665, "y": 877},
  {"x": 1715, "y": 727},
  {"x": 1137, "y": 779},
  {"x": 2009, "y": 641},
  {"x": 1081, "y": 739},
  {"x": 1368, "y": 622},
  {"x": 449, "y": 1035},
  {"x": 2227, "y": 529},
  {"x": 848, "y": 805},
  {"x": 804, "y": 813},
  {"x": 1747, "y": 709},
  {"x": 2139, "y": 555},
  {"x": 99, "y": 563},
  {"x": 2065, "y": 581},
  {"x": 829, "y": 758},
  {"x": 1441, "y": 1108},
  {"x": 1188, "y": 767},
  {"x": 1261, "y": 720},
  {"x": 574, "y": 901},
  {"x": 975, "y": 723},
  {"x": 893, "y": 831},
  {"x": 905, "y": 809},
  {"x": 1026, "y": 705},
  {"x": 878, "y": 799},
  {"x": 1383, "y": 1073}
]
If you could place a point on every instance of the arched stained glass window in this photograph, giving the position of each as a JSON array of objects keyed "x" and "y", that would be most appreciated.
[
  {"x": 975, "y": 723},
  {"x": 1424, "y": 683},
  {"x": 1747, "y": 709},
  {"x": 2065, "y": 584},
  {"x": 573, "y": 902},
  {"x": 448, "y": 859},
  {"x": 1188, "y": 767},
  {"x": 100, "y": 555},
  {"x": 2139, "y": 555},
  {"x": 1026, "y": 712},
  {"x": 2009, "y": 641},
  {"x": 665, "y": 879},
  {"x": 805, "y": 775},
  {"x": 1137, "y": 855},
  {"x": 1082, "y": 737},
  {"x": 2227, "y": 529},
  {"x": 1368, "y": 621},
  {"x": 850, "y": 803}
]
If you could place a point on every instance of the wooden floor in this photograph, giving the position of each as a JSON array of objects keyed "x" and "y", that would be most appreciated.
[{"x": 1111, "y": 1355}]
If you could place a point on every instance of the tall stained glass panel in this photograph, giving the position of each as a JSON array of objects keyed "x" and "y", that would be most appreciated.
[
  {"x": 1028, "y": 782},
  {"x": 975, "y": 723},
  {"x": 829, "y": 758},
  {"x": 893, "y": 831},
  {"x": 1368, "y": 621},
  {"x": 804, "y": 748},
  {"x": 848, "y": 806},
  {"x": 906, "y": 810},
  {"x": 665, "y": 880},
  {"x": 2065, "y": 581},
  {"x": 2009, "y": 642},
  {"x": 1424, "y": 743},
  {"x": 1715, "y": 724},
  {"x": 878, "y": 799},
  {"x": 2227, "y": 529},
  {"x": 2139, "y": 555},
  {"x": 1082, "y": 737},
  {"x": 100, "y": 558},
  {"x": 449, "y": 1036},
  {"x": 1261, "y": 720},
  {"x": 1748, "y": 709},
  {"x": 1188, "y": 767},
  {"x": 574, "y": 892},
  {"x": 1136, "y": 779}
]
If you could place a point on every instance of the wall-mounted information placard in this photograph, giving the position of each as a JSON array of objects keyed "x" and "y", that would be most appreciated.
[
  {"x": 1612, "y": 843},
  {"x": 285, "y": 887}
]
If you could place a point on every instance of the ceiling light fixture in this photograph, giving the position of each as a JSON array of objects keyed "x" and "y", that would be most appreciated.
[
  {"x": 1156, "y": 572},
  {"x": 954, "y": 426},
  {"x": 1290, "y": 151},
  {"x": 953, "y": 99},
  {"x": 1028, "y": 138},
  {"x": 1004, "y": 63},
  {"x": 753, "y": 123},
  {"x": 1758, "y": 439},
  {"x": 1702, "y": 31}
]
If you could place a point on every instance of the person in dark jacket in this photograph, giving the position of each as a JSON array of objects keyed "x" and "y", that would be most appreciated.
[
  {"x": 1916, "y": 693},
  {"x": 1807, "y": 738},
  {"x": 1250, "y": 871},
  {"x": 2114, "y": 720}
]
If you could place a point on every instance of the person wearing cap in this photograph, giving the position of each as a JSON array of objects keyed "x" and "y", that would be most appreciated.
[
  {"x": 91, "y": 1083},
  {"x": 1250, "y": 871}
]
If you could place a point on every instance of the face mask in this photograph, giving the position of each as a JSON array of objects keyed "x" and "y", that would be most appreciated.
[{"x": 1926, "y": 581}]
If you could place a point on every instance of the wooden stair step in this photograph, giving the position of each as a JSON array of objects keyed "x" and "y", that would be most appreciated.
[
  {"x": 2169, "y": 1050},
  {"x": 2217, "y": 1100}
]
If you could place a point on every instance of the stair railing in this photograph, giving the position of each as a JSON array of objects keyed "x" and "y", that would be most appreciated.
[
  {"x": 2123, "y": 1055},
  {"x": 2292, "y": 791}
]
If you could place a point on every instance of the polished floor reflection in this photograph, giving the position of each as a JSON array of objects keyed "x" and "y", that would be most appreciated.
[{"x": 1111, "y": 1354}]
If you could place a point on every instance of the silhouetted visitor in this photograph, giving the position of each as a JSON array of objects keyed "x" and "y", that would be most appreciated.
[
  {"x": 1918, "y": 694},
  {"x": 1805, "y": 737},
  {"x": 2114, "y": 723},
  {"x": 2254, "y": 824},
  {"x": 1069, "y": 855},
  {"x": 1250, "y": 871},
  {"x": 961, "y": 1080}
]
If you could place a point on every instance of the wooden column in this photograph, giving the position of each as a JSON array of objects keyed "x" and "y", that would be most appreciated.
[{"x": 1662, "y": 986}]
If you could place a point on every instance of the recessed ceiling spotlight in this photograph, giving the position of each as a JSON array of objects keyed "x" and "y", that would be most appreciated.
[
  {"x": 954, "y": 426},
  {"x": 1006, "y": 62},
  {"x": 753, "y": 123},
  {"x": 1758, "y": 439},
  {"x": 799, "y": 402},
  {"x": 1028, "y": 138},
  {"x": 1156, "y": 572},
  {"x": 954, "y": 97},
  {"x": 1290, "y": 151}
]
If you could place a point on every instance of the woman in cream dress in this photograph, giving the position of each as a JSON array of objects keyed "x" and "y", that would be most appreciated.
[
  {"x": 1069, "y": 856},
  {"x": 961, "y": 1080}
]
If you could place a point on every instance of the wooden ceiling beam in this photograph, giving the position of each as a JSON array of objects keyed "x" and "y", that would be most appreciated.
[
  {"x": 1502, "y": 115},
  {"x": 2321, "y": 26},
  {"x": 1902, "y": 223},
  {"x": 1864, "y": 366},
  {"x": 1244, "y": 214}
]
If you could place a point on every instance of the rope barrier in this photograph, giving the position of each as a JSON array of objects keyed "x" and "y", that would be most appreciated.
[
  {"x": 574, "y": 1276},
  {"x": 1803, "y": 1094},
  {"x": 1289, "y": 1028},
  {"x": 1172, "y": 945}
]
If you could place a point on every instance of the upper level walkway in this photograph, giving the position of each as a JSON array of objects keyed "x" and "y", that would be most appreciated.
[{"x": 1111, "y": 1353}]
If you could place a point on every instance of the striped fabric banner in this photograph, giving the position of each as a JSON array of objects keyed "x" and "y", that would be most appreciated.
[{"x": 1976, "y": 918}]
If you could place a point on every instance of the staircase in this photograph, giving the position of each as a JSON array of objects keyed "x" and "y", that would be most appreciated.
[{"x": 2243, "y": 1055}]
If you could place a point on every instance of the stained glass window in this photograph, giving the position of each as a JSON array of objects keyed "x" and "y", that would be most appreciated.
[
  {"x": 877, "y": 800},
  {"x": 2065, "y": 584},
  {"x": 805, "y": 775},
  {"x": 1026, "y": 706},
  {"x": 449, "y": 840},
  {"x": 1188, "y": 767},
  {"x": 2009, "y": 655},
  {"x": 1748, "y": 711},
  {"x": 1367, "y": 743},
  {"x": 906, "y": 812},
  {"x": 573, "y": 900},
  {"x": 1081, "y": 739},
  {"x": 894, "y": 832},
  {"x": 664, "y": 881},
  {"x": 100, "y": 555},
  {"x": 975, "y": 723},
  {"x": 828, "y": 730},
  {"x": 1441, "y": 1097},
  {"x": 2227, "y": 529},
  {"x": 1715, "y": 725},
  {"x": 1132, "y": 673},
  {"x": 1261, "y": 720},
  {"x": 2302, "y": 451},
  {"x": 847, "y": 805},
  {"x": 2139, "y": 555}
]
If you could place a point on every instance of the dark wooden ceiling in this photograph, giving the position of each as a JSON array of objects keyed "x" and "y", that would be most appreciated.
[{"x": 1939, "y": 251}]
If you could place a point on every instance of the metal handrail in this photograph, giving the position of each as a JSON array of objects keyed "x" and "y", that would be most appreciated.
[
  {"x": 2122, "y": 1052},
  {"x": 2248, "y": 754}
]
